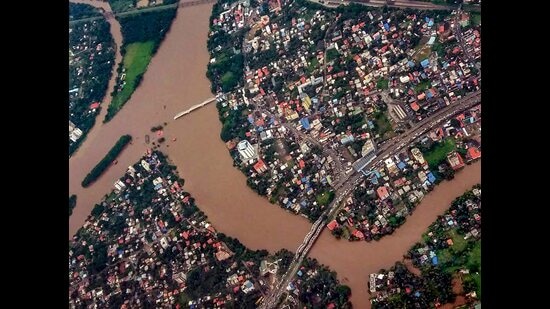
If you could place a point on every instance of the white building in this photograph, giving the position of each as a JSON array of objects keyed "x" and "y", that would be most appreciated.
[
  {"x": 246, "y": 150},
  {"x": 418, "y": 156}
]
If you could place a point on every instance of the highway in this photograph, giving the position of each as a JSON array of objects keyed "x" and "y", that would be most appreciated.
[
  {"x": 379, "y": 3},
  {"x": 110, "y": 14},
  {"x": 349, "y": 182}
]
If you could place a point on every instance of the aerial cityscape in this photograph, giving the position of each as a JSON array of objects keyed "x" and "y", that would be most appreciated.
[{"x": 274, "y": 154}]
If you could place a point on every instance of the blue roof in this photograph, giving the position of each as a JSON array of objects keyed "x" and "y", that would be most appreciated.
[
  {"x": 371, "y": 125},
  {"x": 434, "y": 260},
  {"x": 431, "y": 23},
  {"x": 431, "y": 177},
  {"x": 250, "y": 118},
  {"x": 417, "y": 294},
  {"x": 429, "y": 94},
  {"x": 401, "y": 165},
  {"x": 411, "y": 64},
  {"x": 299, "y": 273},
  {"x": 427, "y": 19},
  {"x": 305, "y": 123},
  {"x": 386, "y": 26},
  {"x": 425, "y": 63}
]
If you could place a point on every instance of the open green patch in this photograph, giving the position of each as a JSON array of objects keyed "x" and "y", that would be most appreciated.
[
  {"x": 439, "y": 151},
  {"x": 135, "y": 62}
]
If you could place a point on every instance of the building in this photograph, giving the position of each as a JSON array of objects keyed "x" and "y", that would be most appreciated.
[
  {"x": 260, "y": 166},
  {"x": 390, "y": 165},
  {"x": 474, "y": 153},
  {"x": 455, "y": 160},
  {"x": 382, "y": 192},
  {"x": 368, "y": 148},
  {"x": 246, "y": 150},
  {"x": 417, "y": 155},
  {"x": 247, "y": 287}
]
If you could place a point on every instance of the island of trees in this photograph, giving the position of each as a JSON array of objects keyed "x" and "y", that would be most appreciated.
[{"x": 107, "y": 160}]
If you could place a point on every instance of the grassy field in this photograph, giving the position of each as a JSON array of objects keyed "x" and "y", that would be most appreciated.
[
  {"x": 423, "y": 85},
  {"x": 383, "y": 124},
  {"x": 422, "y": 50},
  {"x": 325, "y": 198},
  {"x": 382, "y": 84},
  {"x": 135, "y": 61},
  {"x": 475, "y": 18},
  {"x": 439, "y": 152}
]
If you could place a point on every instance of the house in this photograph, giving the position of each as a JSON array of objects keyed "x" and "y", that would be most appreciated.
[
  {"x": 474, "y": 153},
  {"x": 260, "y": 166},
  {"x": 382, "y": 192},
  {"x": 455, "y": 160},
  {"x": 332, "y": 225}
]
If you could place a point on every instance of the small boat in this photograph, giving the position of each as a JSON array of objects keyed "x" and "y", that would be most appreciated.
[
  {"x": 115, "y": 162},
  {"x": 174, "y": 139}
]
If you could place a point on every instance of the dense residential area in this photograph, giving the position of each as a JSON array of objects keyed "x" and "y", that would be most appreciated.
[
  {"x": 304, "y": 91},
  {"x": 349, "y": 120},
  {"x": 449, "y": 260},
  {"x": 146, "y": 244},
  {"x": 91, "y": 59},
  {"x": 393, "y": 189}
]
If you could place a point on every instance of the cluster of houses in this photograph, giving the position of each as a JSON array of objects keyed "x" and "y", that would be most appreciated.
[
  {"x": 146, "y": 239},
  {"x": 338, "y": 82},
  {"x": 141, "y": 242},
  {"x": 398, "y": 183},
  {"x": 91, "y": 56},
  {"x": 459, "y": 227}
]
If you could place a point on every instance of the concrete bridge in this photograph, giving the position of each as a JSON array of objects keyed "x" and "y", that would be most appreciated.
[
  {"x": 195, "y": 107},
  {"x": 110, "y": 14}
]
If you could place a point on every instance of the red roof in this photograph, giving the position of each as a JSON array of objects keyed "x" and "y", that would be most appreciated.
[
  {"x": 259, "y": 166},
  {"x": 382, "y": 192},
  {"x": 474, "y": 153},
  {"x": 332, "y": 225},
  {"x": 302, "y": 163},
  {"x": 94, "y": 105},
  {"x": 415, "y": 106}
]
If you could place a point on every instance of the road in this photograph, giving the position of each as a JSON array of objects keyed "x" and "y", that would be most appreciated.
[
  {"x": 109, "y": 14},
  {"x": 457, "y": 31},
  {"x": 352, "y": 180},
  {"x": 379, "y": 3}
]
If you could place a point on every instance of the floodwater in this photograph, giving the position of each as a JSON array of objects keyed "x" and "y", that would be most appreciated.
[{"x": 176, "y": 80}]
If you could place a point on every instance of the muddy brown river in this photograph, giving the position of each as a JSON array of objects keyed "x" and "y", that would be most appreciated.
[{"x": 176, "y": 79}]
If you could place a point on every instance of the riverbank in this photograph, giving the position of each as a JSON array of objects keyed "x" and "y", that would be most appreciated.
[
  {"x": 356, "y": 260},
  {"x": 220, "y": 189}
]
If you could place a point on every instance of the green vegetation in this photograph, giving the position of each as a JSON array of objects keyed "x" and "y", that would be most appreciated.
[
  {"x": 382, "y": 124},
  {"x": 438, "y": 152},
  {"x": 72, "y": 204},
  {"x": 332, "y": 54},
  {"x": 135, "y": 62},
  {"x": 382, "y": 84},
  {"x": 325, "y": 198},
  {"x": 422, "y": 86},
  {"x": 475, "y": 17},
  {"x": 313, "y": 65},
  {"x": 142, "y": 34},
  {"x": 80, "y": 11},
  {"x": 106, "y": 161},
  {"x": 122, "y": 5}
]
